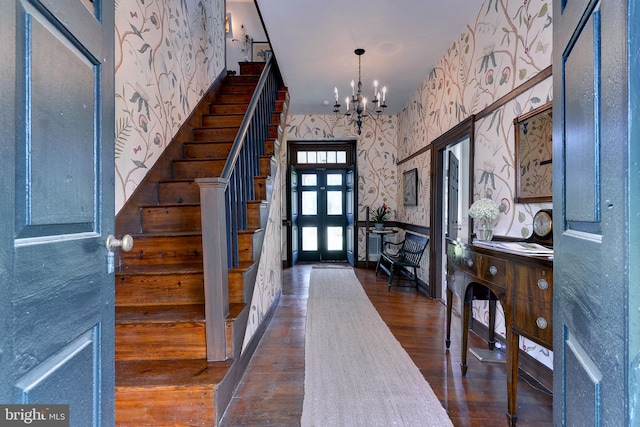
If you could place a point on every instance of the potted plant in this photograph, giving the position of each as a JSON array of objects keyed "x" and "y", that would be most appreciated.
[
  {"x": 485, "y": 211},
  {"x": 380, "y": 215}
]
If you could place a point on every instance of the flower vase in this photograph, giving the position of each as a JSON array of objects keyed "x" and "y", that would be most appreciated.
[
  {"x": 379, "y": 226},
  {"x": 484, "y": 232}
]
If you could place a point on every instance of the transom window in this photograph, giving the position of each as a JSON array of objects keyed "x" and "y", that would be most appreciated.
[
  {"x": 324, "y": 157},
  {"x": 315, "y": 155}
]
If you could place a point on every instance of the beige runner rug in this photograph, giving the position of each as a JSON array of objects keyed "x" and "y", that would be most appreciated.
[{"x": 356, "y": 372}]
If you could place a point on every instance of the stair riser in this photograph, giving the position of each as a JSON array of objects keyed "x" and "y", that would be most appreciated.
[
  {"x": 206, "y": 150},
  {"x": 279, "y": 106},
  {"x": 238, "y": 88},
  {"x": 165, "y": 250},
  {"x": 240, "y": 79},
  {"x": 213, "y": 135},
  {"x": 269, "y": 147},
  {"x": 255, "y": 215},
  {"x": 265, "y": 165},
  {"x": 160, "y": 341},
  {"x": 165, "y": 406},
  {"x": 159, "y": 289},
  {"x": 164, "y": 219},
  {"x": 220, "y": 121},
  {"x": 198, "y": 169},
  {"x": 248, "y": 244},
  {"x": 178, "y": 192},
  {"x": 260, "y": 187},
  {"x": 233, "y": 98},
  {"x": 238, "y": 284},
  {"x": 234, "y": 333},
  {"x": 227, "y": 108},
  {"x": 273, "y": 131}
]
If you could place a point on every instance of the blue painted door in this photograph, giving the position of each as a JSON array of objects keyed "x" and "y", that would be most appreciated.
[
  {"x": 57, "y": 183},
  {"x": 596, "y": 198}
]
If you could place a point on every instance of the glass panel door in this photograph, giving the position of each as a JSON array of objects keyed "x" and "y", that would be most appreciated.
[{"x": 322, "y": 218}]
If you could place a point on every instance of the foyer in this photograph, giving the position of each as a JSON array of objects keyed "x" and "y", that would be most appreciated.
[{"x": 271, "y": 391}]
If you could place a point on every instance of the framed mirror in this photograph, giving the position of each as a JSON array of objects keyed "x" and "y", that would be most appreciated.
[{"x": 533, "y": 155}]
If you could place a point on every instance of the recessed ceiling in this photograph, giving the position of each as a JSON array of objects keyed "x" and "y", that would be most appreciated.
[{"x": 314, "y": 43}]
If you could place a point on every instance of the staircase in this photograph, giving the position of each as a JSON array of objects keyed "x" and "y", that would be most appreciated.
[{"x": 162, "y": 373}]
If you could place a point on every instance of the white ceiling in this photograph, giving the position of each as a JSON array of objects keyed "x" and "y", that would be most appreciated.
[{"x": 314, "y": 43}]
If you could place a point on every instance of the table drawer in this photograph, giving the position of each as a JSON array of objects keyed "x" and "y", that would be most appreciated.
[
  {"x": 491, "y": 269},
  {"x": 533, "y": 281},
  {"x": 532, "y": 318}
]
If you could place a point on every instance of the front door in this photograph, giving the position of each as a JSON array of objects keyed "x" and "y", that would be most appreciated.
[
  {"x": 322, "y": 219},
  {"x": 596, "y": 177},
  {"x": 57, "y": 180}
]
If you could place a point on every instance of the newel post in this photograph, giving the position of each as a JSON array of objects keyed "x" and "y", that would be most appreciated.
[{"x": 214, "y": 245}]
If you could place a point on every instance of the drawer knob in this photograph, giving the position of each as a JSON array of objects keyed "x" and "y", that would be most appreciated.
[
  {"x": 493, "y": 270},
  {"x": 543, "y": 284},
  {"x": 541, "y": 322},
  {"x": 470, "y": 262}
]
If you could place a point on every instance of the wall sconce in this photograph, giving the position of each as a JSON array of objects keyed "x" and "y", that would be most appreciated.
[{"x": 228, "y": 29}]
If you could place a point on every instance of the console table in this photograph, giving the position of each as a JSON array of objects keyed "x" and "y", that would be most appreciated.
[{"x": 524, "y": 286}]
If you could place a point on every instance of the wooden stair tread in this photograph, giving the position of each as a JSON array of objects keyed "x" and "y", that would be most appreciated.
[
  {"x": 242, "y": 267},
  {"x": 173, "y": 180},
  {"x": 249, "y": 231},
  {"x": 188, "y": 313},
  {"x": 235, "y": 309},
  {"x": 170, "y": 373},
  {"x": 157, "y": 270},
  {"x": 171, "y": 205}
]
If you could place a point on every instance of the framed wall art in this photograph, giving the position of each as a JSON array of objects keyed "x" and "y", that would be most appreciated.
[
  {"x": 410, "y": 187},
  {"x": 533, "y": 155},
  {"x": 261, "y": 50}
]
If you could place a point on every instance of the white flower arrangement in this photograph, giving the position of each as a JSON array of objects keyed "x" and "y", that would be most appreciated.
[{"x": 484, "y": 209}]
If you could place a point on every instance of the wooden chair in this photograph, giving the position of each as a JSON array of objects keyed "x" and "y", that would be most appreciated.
[{"x": 408, "y": 258}]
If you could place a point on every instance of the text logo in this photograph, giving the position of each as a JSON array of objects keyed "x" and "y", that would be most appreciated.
[{"x": 34, "y": 415}]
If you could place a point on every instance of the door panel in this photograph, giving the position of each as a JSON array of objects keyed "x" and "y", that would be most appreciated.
[
  {"x": 591, "y": 180},
  {"x": 58, "y": 175},
  {"x": 292, "y": 229},
  {"x": 350, "y": 207},
  {"x": 323, "y": 218}
]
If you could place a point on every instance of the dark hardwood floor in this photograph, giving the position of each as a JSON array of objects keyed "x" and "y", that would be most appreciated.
[{"x": 272, "y": 390}]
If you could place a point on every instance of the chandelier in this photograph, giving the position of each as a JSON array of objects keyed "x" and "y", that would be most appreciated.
[{"x": 357, "y": 103}]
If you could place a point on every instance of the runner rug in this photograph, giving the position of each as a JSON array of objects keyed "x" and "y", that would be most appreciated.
[{"x": 356, "y": 372}]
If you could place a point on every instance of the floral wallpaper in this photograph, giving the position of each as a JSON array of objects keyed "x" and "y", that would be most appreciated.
[
  {"x": 168, "y": 53},
  {"x": 377, "y": 170},
  {"x": 508, "y": 43},
  {"x": 269, "y": 276}
]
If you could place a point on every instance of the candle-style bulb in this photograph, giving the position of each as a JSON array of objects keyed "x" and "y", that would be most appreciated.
[{"x": 384, "y": 93}]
